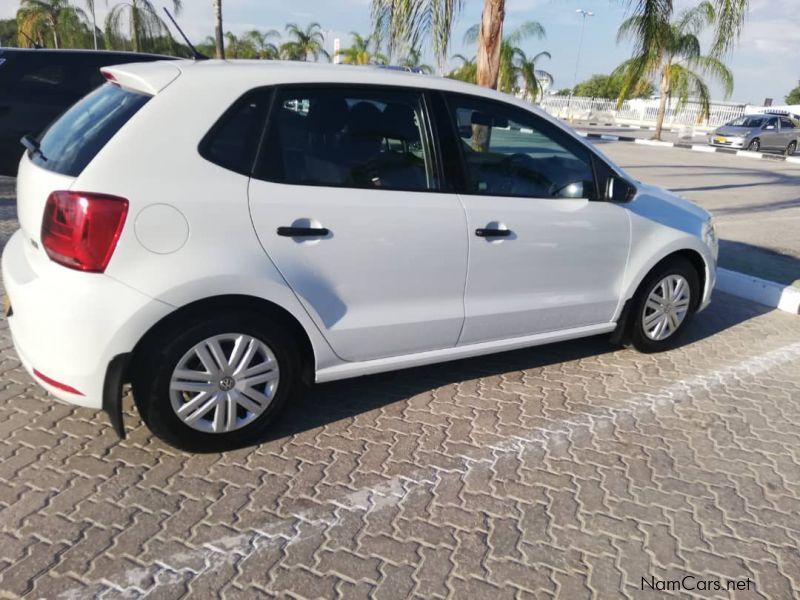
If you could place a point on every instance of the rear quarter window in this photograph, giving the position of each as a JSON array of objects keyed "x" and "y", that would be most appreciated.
[{"x": 79, "y": 134}]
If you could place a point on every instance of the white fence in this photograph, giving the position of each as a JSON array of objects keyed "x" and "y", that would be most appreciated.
[{"x": 640, "y": 111}]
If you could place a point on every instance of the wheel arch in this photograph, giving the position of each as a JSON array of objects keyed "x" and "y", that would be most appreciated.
[
  {"x": 697, "y": 261},
  {"x": 230, "y": 302}
]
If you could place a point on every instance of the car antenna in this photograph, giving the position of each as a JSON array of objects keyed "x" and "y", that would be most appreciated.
[
  {"x": 36, "y": 44},
  {"x": 195, "y": 54}
]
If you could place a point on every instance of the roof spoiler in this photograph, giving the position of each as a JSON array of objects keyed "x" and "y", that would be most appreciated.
[{"x": 149, "y": 78}]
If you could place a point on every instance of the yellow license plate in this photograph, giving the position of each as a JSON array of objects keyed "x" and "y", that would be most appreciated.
[
  {"x": 719, "y": 139},
  {"x": 6, "y": 305}
]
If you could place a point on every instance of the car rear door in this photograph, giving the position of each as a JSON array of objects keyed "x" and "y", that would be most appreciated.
[
  {"x": 788, "y": 132},
  {"x": 347, "y": 204},
  {"x": 544, "y": 254}
]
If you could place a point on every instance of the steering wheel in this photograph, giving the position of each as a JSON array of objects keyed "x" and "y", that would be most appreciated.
[{"x": 520, "y": 160}]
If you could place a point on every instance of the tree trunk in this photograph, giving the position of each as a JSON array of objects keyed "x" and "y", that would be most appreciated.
[
  {"x": 54, "y": 25},
  {"x": 136, "y": 27},
  {"x": 490, "y": 40},
  {"x": 662, "y": 103},
  {"x": 218, "y": 28}
]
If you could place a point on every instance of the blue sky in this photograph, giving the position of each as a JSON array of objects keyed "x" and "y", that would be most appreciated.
[{"x": 765, "y": 62}]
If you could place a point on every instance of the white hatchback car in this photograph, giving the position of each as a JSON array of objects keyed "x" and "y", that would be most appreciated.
[{"x": 218, "y": 233}]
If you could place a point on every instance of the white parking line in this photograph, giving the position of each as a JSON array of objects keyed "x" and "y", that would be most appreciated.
[{"x": 303, "y": 524}]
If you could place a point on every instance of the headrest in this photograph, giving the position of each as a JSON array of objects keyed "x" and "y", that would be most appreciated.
[{"x": 327, "y": 114}]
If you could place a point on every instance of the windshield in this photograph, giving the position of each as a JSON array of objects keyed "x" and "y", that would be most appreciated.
[
  {"x": 79, "y": 134},
  {"x": 747, "y": 122}
]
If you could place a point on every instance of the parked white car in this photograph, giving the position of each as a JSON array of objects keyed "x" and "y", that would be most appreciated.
[{"x": 218, "y": 233}]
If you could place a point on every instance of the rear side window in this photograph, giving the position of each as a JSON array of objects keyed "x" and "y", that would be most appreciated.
[
  {"x": 75, "y": 139},
  {"x": 361, "y": 137},
  {"x": 233, "y": 141}
]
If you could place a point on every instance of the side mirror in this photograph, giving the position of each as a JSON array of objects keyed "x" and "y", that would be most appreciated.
[
  {"x": 769, "y": 126},
  {"x": 619, "y": 190}
]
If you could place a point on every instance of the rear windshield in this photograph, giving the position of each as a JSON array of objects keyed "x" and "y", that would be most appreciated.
[{"x": 80, "y": 133}]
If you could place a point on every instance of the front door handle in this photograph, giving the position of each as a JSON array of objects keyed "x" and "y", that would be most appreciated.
[
  {"x": 303, "y": 231},
  {"x": 493, "y": 232}
]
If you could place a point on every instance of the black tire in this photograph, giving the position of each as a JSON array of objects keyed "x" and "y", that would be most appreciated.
[
  {"x": 755, "y": 145},
  {"x": 154, "y": 365},
  {"x": 637, "y": 336},
  {"x": 791, "y": 148}
]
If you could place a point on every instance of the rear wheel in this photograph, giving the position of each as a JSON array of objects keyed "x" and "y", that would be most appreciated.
[
  {"x": 216, "y": 385},
  {"x": 755, "y": 145},
  {"x": 664, "y": 303},
  {"x": 791, "y": 148}
]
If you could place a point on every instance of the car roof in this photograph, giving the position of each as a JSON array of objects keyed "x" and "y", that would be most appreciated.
[{"x": 244, "y": 74}]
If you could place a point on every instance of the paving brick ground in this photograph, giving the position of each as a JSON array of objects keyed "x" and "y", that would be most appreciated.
[{"x": 569, "y": 471}]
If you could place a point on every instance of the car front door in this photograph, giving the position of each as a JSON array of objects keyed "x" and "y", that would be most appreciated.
[
  {"x": 345, "y": 200},
  {"x": 770, "y": 136},
  {"x": 545, "y": 255}
]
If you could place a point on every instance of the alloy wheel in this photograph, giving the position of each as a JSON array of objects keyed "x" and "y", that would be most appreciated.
[
  {"x": 224, "y": 383},
  {"x": 666, "y": 307}
]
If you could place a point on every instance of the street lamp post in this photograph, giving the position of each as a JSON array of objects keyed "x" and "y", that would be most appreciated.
[{"x": 583, "y": 14}]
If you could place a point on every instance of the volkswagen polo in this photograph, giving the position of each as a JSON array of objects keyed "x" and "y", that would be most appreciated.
[{"x": 219, "y": 234}]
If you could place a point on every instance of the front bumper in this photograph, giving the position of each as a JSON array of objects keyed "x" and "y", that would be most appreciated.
[
  {"x": 737, "y": 143},
  {"x": 69, "y": 326}
]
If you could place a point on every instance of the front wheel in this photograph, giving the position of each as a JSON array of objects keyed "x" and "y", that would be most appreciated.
[
  {"x": 663, "y": 304},
  {"x": 216, "y": 385},
  {"x": 791, "y": 148},
  {"x": 755, "y": 145}
]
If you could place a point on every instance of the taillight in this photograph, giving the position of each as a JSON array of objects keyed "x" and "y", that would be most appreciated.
[{"x": 80, "y": 230}]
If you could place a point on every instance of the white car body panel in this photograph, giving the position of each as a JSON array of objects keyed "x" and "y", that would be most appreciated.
[
  {"x": 562, "y": 266},
  {"x": 70, "y": 325},
  {"x": 388, "y": 279}
]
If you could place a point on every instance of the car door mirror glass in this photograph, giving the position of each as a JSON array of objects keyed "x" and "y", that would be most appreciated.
[{"x": 619, "y": 190}]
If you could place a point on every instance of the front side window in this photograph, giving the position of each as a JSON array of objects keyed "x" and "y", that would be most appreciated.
[
  {"x": 352, "y": 137},
  {"x": 510, "y": 152}
]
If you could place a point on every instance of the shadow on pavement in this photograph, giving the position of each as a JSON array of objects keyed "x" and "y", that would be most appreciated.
[
  {"x": 759, "y": 262},
  {"x": 327, "y": 403}
]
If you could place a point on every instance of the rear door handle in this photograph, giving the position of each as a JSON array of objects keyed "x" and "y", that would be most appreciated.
[
  {"x": 303, "y": 231},
  {"x": 493, "y": 232}
]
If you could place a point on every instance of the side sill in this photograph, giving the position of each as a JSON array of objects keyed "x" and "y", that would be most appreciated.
[{"x": 393, "y": 363}]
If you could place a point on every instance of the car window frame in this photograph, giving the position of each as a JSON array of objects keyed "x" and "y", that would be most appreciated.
[
  {"x": 208, "y": 137},
  {"x": 557, "y": 134},
  {"x": 428, "y": 140}
]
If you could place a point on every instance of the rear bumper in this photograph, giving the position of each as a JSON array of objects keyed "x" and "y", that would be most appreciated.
[{"x": 69, "y": 326}]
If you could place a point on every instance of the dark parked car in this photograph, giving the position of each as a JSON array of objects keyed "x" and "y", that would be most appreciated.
[{"x": 37, "y": 85}]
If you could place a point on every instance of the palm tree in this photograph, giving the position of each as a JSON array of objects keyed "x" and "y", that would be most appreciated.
[
  {"x": 730, "y": 20},
  {"x": 305, "y": 42},
  {"x": 407, "y": 24},
  {"x": 261, "y": 42},
  {"x": 673, "y": 55},
  {"x": 142, "y": 22},
  {"x": 362, "y": 51},
  {"x": 413, "y": 60},
  {"x": 508, "y": 64},
  {"x": 490, "y": 40},
  {"x": 52, "y": 17},
  {"x": 467, "y": 71},
  {"x": 531, "y": 76},
  {"x": 219, "y": 44}
]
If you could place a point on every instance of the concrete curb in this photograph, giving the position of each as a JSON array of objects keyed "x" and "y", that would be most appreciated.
[
  {"x": 776, "y": 295},
  {"x": 690, "y": 146}
]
